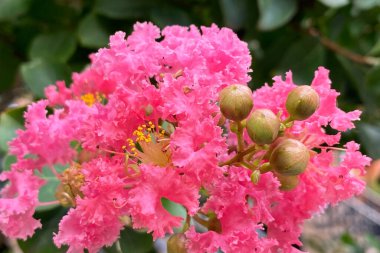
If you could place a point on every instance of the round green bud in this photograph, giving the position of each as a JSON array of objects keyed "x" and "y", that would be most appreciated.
[
  {"x": 236, "y": 102},
  {"x": 302, "y": 102},
  {"x": 177, "y": 243},
  {"x": 290, "y": 158},
  {"x": 263, "y": 126},
  {"x": 288, "y": 182}
]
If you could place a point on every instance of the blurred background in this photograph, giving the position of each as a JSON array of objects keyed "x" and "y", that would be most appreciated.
[{"x": 42, "y": 41}]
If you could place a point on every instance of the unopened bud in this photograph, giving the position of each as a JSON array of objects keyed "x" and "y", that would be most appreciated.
[
  {"x": 302, "y": 102},
  {"x": 255, "y": 176},
  {"x": 177, "y": 243},
  {"x": 290, "y": 157},
  {"x": 263, "y": 126},
  {"x": 236, "y": 102},
  {"x": 288, "y": 182}
]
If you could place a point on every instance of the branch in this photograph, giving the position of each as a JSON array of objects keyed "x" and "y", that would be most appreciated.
[{"x": 362, "y": 59}]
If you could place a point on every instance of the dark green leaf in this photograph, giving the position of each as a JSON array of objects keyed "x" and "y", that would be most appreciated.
[
  {"x": 47, "y": 191},
  {"x": 303, "y": 58},
  {"x": 234, "y": 13},
  {"x": 122, "y": 9},
  {"x": 92, "y": 33},
  {"x": 132, "y": 241},
  {"x": 275, "y": 13},
  {"x": 42, "y": 240},
  {"x": 11, "y": 9},
  {"x": 40, "y": 73},
  {"x": 365, "y": 4},
  {"x": 375, "y": 50},
  {"x": 370, "y": 138},
  {"x": 58, "y": 46},
  {"x": 169, "y": 15},
  {"x": 8, "y": 67},
  {"x": 10, "y": 121}
]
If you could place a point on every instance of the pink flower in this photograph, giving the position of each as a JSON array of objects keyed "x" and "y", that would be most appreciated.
[
  {"x": 145, "y": 199},
  {"x": 17, "y": 203}
]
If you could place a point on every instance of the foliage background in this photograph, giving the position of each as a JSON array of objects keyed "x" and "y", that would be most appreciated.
[{"x": 42, "y": 41}]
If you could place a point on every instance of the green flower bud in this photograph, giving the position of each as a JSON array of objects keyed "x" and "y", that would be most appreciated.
[
  {"x": 288, "y": 182},
  {"x": 302, "y": 102},
  {"x": 263, "y": 126},
  {"x": 255, "y": 176},
  {"x": 177, "y": 243},
  {"x": 290, "y": 158},
  {"x": 236, "y": 102}
]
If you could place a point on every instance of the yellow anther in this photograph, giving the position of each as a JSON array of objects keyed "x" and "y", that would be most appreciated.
[
  {"x": 163, "y": 132},
  {"x": 89, "y": 99},
  {"x": 144, "y": 126},
  {"x": 150, "y": 123},
  {"x": 140, "y": 128}
]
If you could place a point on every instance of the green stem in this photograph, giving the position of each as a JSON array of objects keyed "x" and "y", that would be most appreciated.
[
  {"x": 238, "y": 157},
  {"x": 186, "y": 226},
  {"x": 240, "y": 138}
]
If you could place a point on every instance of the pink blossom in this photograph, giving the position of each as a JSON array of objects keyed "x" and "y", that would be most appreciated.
[{"x": 17, "y": 203}]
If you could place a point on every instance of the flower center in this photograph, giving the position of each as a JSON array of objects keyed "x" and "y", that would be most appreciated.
[
  {"x": 71, "y": 181},
  {"x": 91, "y": 98},
  {"x": 150, "y": 145}
]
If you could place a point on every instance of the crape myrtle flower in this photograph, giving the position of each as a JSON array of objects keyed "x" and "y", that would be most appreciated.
[{"x": 168, "y": 115}]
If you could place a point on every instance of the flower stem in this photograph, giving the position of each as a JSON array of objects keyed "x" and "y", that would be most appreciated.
[
  {"x": 200, "y": 221},
  {"x": 240, "y": 138},
  {"x": 238, "y": 157}
]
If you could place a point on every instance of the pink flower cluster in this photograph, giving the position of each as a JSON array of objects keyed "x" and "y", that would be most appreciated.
[{"x": 144, "y": 117}]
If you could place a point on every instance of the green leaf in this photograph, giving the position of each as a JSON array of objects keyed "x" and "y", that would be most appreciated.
[
  {"x": 92, "y": 33},
  {"x": 275, "y": 13},
  {"x": 169, "y": 15},
  {"x": 8, "y": 160},
  {"x": 132, "y": 241},
  {"x": 123, "y": 9},
  {"x": 365, "y": 4},
  {"x": 10, "y": 121},
  {"x": 303, "y": 58},
  {"x": 58, "y": 46},
  {"x": 47, "y": 191},
  {"x": 8, "y": 67},
  {"x": 369, "y": 135},
  {"x": 234, "y": 13},
  {"x": 40, "y": 73},
  {"x": 173, "y": 208},
  {"x": 11, "y": 9},
  {"x": 375, "y": 50},
  {"x": 335, "y": 3},
  {"x": 42, "y": 240}
]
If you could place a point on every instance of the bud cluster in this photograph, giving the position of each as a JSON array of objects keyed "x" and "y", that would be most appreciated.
[{"x": 287, "y": 157}]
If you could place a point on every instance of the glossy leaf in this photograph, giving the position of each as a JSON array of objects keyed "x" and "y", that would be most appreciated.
[
  {"x": 132, "y": 241},
  {"x": 92, "y": 33},
  {"x": 275, "y": 13},
  {"x": 303, "y": 58},
  {"x": 58, "y": 46},
  {"x": 39, "y": 73}
]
